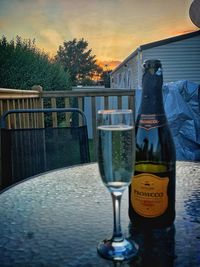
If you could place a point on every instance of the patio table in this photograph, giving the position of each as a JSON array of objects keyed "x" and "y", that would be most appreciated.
[{"x": 57, "y": 219}]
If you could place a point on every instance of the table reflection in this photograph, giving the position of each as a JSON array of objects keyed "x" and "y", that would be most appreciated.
[{"x": 156, "y": 247}]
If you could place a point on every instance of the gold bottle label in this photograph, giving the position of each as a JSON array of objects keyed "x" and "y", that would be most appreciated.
[{"x": 149, "y": 194}]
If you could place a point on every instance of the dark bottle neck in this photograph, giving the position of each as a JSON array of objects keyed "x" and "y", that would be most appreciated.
[{"x": 152, "y": 98}]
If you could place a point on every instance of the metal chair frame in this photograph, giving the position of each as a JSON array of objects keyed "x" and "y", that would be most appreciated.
[{"x": 6, "y": 136}]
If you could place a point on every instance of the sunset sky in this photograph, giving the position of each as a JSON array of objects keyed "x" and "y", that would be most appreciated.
[{"x": 113, "y": 28}]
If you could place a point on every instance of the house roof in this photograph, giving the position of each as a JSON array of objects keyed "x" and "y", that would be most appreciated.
[
  {"x": 170, "y": 40},
  {"x": 157, "y": 43}
]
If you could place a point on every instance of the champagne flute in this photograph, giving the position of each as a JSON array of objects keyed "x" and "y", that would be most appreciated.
[{"x": 116, "y": 160}]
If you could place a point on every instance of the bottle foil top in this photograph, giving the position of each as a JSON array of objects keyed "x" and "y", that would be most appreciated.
[{"x": 152, "y": 65}]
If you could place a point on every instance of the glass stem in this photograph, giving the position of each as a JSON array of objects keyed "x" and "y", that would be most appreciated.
[{"x": 117, "y": 232}]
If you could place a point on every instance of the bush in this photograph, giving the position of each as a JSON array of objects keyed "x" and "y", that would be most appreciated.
[{"x": 22, "y": 65}]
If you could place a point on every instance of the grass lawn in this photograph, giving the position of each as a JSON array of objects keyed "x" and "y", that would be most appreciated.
[{"x": 92, "y": 150}]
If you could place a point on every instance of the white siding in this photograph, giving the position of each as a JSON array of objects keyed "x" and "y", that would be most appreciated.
[
  {"x": 180, "y": 60},
  {"x": 127, "y": 75},
  {"x": 135, "y": 70}
]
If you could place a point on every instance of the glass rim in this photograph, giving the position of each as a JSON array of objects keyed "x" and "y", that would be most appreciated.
[{"x": 115, "y": 111}]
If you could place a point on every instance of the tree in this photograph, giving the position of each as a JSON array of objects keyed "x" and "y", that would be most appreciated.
[
  {"x": 22, "y": 65},
  {"x": 78, "y": 60}
]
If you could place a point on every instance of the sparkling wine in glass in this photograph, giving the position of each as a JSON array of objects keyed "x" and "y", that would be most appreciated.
[{"x": 116, "y": 160}]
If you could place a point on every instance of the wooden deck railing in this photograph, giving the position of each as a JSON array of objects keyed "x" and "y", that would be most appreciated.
[
  {"x": 37, "y": 98},
  {"x": 15, "y": 98},
  {"x": 93, "y": 94},
  {"x": 19, "y": 99}
]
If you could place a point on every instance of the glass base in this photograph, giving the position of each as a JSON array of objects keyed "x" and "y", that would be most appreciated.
[{"x": 119, "y": 251}]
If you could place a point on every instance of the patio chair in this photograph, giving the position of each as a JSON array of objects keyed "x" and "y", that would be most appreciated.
[{"x": 31, "y": 144}]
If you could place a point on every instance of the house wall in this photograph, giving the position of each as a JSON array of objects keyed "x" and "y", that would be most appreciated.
[
  {"x": 180, "y": 61},
  {"x": 127, "y": 75}
]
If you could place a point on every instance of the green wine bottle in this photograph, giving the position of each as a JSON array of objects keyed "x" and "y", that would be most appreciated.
[{"x": 152, "y": 190}]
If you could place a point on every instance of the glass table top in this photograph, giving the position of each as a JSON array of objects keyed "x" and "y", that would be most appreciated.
[{"x": 58, "y": 218}]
